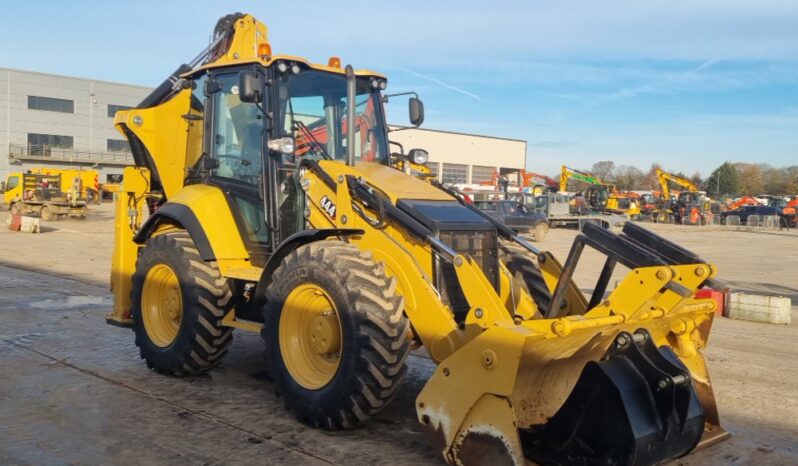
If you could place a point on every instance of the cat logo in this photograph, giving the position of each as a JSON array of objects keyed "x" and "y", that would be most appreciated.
[{"x": 328, "y": 206}]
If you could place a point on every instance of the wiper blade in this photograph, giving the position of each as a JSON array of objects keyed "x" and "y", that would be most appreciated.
[{"x": 309, "y": 134}]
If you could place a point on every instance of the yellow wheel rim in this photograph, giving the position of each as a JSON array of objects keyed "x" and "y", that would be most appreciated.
[
  {"x": 161, "y": 305},
  {"x": 310, "y": 336}
]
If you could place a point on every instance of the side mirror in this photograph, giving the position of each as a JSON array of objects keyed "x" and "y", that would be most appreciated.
[
  {"x": 209, "y": 163},
  {"x": 250, "y": 87},
  {"x": 416, "y": 107}
]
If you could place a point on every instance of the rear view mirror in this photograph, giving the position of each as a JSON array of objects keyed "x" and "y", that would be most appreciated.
[
  {"x": 416, "y": 111},
  {"x": 250, "y": 87},
  {"x": 209, "y": 163}
]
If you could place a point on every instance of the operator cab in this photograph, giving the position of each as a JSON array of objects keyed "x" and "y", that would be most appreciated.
[{"x": 261, "y": 120}]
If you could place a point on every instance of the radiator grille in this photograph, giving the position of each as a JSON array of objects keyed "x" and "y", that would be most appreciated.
[{"x": 482, "y": 246}]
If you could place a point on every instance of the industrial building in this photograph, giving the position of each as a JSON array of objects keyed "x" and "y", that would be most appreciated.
[
  {"x": 60, "y": 121},
  {"x": 464, "y": 158},
  {"x": 66, "y": 122}
]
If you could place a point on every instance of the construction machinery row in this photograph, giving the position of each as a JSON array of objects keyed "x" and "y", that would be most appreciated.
[{"x": 239, "y": 215}]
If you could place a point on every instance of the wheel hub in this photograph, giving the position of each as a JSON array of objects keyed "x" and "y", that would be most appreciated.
[
  {"x": 161, "y": 305},
  {"x": 325, "y": 334},
  {"x": 310, "y": 336}
]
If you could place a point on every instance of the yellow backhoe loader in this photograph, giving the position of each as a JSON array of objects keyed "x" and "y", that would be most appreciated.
[{"x": 264, "y": 198}]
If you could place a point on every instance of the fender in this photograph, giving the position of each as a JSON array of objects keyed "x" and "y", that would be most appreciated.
[
  {"x": 289, "y": 244},
  {"x": 205, "y": 213},
  {"x": 181, "y": 214}
]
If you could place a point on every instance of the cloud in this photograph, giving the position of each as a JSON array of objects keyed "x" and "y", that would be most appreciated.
[{"x": 695, "y": 78}]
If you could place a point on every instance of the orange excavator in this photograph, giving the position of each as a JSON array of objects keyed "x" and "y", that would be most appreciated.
[
  {"x": 790, "y": 212},
  {"x": 743, "y": 201},
  {"x": 538, "y": 183}
]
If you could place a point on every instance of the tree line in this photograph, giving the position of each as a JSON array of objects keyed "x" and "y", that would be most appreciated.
[{"x": 728, "y": 180}]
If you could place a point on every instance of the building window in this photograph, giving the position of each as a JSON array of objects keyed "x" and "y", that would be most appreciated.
[
  {"x": 433, "y": 168},
  {"x": 455, "y": 173},
  {"x": 481, "y": 173},
  {"x": 40, "y": 144},
  {"x": 51, "y": 104},
  {"x": 112, "y": 109},
  {"x": 118, "y": 145}
]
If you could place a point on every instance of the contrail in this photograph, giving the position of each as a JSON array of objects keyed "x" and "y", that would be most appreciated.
[
  {"x": 441, "y": 83},
  {"x": 707, "y": 64}
]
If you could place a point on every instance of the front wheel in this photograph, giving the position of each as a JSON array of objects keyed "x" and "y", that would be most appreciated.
[
  {"x": 521, "y": 266},
  {"x": 46, "y": 214},
  {"x": 335, "y": 334}
]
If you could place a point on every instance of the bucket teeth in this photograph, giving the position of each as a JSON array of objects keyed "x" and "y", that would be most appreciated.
[{"x": 637, "y": 405}]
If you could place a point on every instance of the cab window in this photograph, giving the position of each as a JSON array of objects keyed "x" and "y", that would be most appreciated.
[
  {"x": 486, "y": 206},
  {"x": 237, "y": 134},
  {"x": 13, "y": 182}
]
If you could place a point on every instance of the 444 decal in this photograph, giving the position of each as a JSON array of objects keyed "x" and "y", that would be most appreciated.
[{"x": 327, "y": 206}]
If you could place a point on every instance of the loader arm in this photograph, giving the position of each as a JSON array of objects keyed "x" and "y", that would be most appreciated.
[{"x": 495, "y": 383}]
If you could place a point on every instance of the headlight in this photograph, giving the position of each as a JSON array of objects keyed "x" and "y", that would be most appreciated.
[
  {"x": 282, "y": 145},
  {"x": 419, "y": 156}
]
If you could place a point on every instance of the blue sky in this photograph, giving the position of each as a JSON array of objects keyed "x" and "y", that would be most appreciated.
[{"x": 688, "y": 84}]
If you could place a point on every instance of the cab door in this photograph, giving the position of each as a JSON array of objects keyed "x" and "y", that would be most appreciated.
[
  {"x": 235, "y": 138},
  {"x": 12, "y": 189}
]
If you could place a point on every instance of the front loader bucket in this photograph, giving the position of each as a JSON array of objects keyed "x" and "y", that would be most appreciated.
[
  {"x": 635, "y": 406},
  {"x": 623, "y": 383}
]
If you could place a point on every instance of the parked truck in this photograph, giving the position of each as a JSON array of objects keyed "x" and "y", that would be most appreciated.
[{"x": 42, "y": 195}]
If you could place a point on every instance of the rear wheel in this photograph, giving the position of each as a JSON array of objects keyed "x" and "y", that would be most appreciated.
[
  {"x": 179, "y": 301},
  {"x": 526, "y": 272},
  {"x": 46, "y": 214},
  {"x": 335, "y": 334}
]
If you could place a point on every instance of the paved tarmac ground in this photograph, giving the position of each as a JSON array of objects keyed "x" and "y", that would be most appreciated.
[{"x": 74, "y": 391}]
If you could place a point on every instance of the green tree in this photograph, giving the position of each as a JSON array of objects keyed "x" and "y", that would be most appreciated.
[{"x": 724, "y": 181}]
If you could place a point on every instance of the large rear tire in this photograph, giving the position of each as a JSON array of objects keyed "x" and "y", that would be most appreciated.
[
  {"x": 526, "y": 272},
  {"x": 46, "y": 214},
  {"x": 335, "y": 334},
  {"x": 179, "y": 301}
]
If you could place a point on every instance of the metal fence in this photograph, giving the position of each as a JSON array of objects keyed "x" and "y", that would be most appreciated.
[
  {"x": 735, "y": 222},
  {"x": 62, "y": 154}
]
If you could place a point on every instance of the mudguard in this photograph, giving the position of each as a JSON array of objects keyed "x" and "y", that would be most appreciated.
[{"x": 204, "y": 212}]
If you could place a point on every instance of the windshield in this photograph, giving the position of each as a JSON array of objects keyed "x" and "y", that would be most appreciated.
[{"x": 311, "y": 108}]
